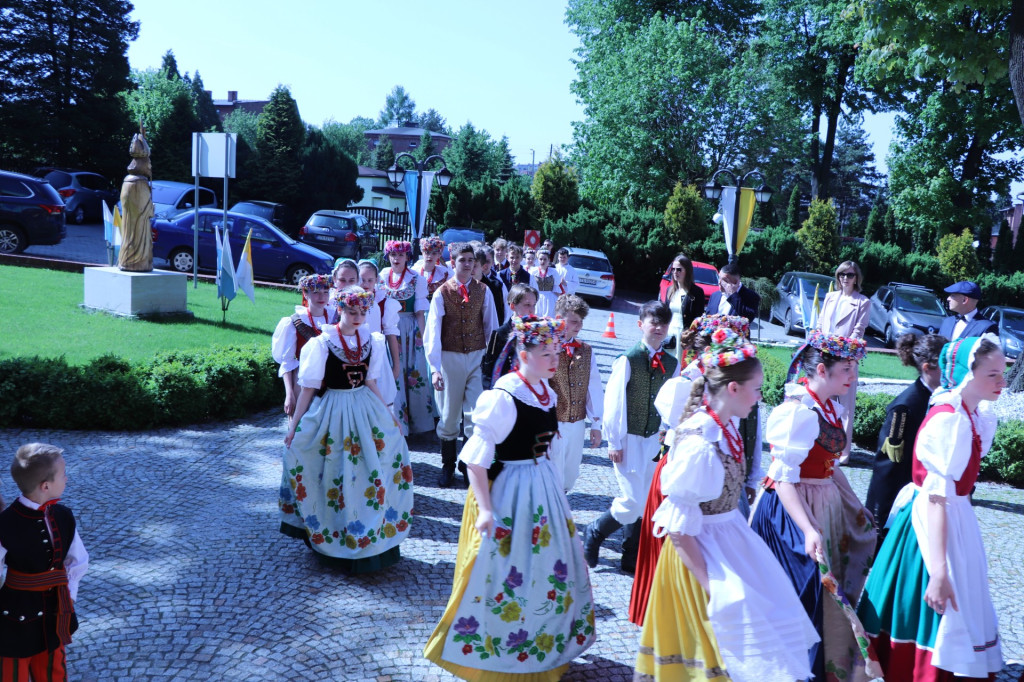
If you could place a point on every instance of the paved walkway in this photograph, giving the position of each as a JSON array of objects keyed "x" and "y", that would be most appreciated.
[{"x": 190, "y": 579}]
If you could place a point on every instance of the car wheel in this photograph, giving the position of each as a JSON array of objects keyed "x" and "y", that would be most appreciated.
[
  {"x": 181, "y": 260},
  {"x": 297, "y": 272},
  {"x": 12, "y": 239},
  {"x": 890, "y": 341},
  {"x": 787, "y": 323},
  {"x": 78, "y": 216}
]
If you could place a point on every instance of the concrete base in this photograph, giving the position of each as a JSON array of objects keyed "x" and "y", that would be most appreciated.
[{"x": 136, "y": 294}]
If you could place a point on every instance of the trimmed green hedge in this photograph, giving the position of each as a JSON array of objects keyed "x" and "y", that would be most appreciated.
[
  {"x": 869, "y": 418},
  {"x": 110, "y": 393}
]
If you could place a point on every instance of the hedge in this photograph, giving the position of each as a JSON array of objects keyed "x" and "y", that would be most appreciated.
[{"x": 112, "y": 394}]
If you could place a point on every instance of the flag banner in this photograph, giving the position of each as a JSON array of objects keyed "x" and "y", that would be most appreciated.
[
  {"x": 227, "y": 285},
  {"x": 426, "y": 183},
  {"x": 244, "y": 275},
  {"x": 815, "y": 310},
  {"x": 746, "y": 213}
]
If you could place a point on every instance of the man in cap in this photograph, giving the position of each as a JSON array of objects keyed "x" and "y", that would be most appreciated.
[{"x": 963, "y": 303}]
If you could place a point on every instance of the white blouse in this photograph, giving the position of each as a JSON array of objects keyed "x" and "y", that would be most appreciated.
[
  {"x": 694, "y": 474},
  {"x": 791, "y": 432},
  {"x": 495, "y": 414},
  {"x": 406, "y": 288},
  {"x": 943, "y": 445},
  {"x": 570, "y": 279},
  {"x": 313, "y": 359},
  {"x": 282, "y": 344},
  {"x": 673, "y": 396}
]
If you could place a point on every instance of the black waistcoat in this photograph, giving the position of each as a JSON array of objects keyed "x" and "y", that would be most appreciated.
[
  {"x": 530, "y": 436},
  {"x": 345, "y": 375}
]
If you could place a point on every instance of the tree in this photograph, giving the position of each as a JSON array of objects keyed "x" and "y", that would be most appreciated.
[
  {"x": 471, "y": 155},
  {"x": 351, "y": 138},
  {"x": 62, "y": 65},
  {"x": 854, "y": 177},
  {"x": 244, "y": 123},
  {"x": 1003, "y": 257},
  {"x": 433, "y": 121},
  {"x": 555, "y": 190},
  {"x": 169, "y": 66},
  {"x": 164, "y": 105},
  {"x": 328, "y": 175},
  {"x": 399, "y": 108},
  {"x": 383, "y": 154},
  {"x": 686, "y": 220},
  {"x": 280, "y": 136},
  {"x": 985, "y": 245},
  {"x": 206, "y": 112},
  {"x": 426, "y": 146},
  {"x": 875, "y": 230},
  {"x": 957, "y": 257},
  {"x": 503, "y": 160},
  {"x": 819, "y": 236},
  {"x": 793, "y": 209}
]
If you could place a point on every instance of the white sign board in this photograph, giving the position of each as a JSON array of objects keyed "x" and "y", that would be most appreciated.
[{"x": 213, "y": 155}]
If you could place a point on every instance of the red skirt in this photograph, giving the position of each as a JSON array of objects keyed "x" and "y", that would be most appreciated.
[{"x": 648, "y": 551}]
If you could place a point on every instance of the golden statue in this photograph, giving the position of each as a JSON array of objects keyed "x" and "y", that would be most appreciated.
[{"x": 137, "y": 209}]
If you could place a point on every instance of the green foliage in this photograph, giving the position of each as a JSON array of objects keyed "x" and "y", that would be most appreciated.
[
  {"x": 351, "y": 138},
  {"x": 771, "y": 252},
  {"x": 555, "y": 190},
  {"x": 773, "y": 388},
  {"x": 433, "y": 121},
  {"x": 793, "y": 209},
  {"x": 244, "y": 124},
  {"x": 280, "y": 135},
  {"x": 473, "y": 155},
  {"x": 686, "y": 219},
  {"x": 109, "y": 393},
  {"x": 1002, "y": 289},
  {"x": 854, "y": 178},
  {"x": 1003, "y": 260},
  {"x": 426, "y": 146},
  {"x": 1005, "y": 460},
  {"x": 765, "y": 288},
  {"x": 875, "y": 230},
  {"x": 957, "y": 256},
  {"x": 399, "y": 108},
  {"x": 818, "y": 237},
  {"x": 383, "y": 154},
  {"x": 984, "y": 250},
  {"x": 164, "y": 105},
  {"x": 206, "y": 112},
  {"x": 869, "y": 418},
  {"x": 328, "y": 175}
]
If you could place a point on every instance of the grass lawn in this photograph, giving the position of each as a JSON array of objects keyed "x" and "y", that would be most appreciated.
[
  {"x": 881, "y": 365},
  {"x": 39, "y": 315}
]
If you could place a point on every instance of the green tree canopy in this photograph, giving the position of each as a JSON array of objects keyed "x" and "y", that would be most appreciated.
[
  {"x": 399, "y": 108},
  {"x": 957, "y": 257},
  {"x": 555, "y": 190},
  {"x": 686, "y": 220},
  {"x": 328, "y": 175},
  {"x": 383, "y": 156},
  {"x": 206, "y": 112},
  {"x": 165, "y": 106},
  {"x": 280, "y": 136},
  {"x": 471, "y": 155},
  {"x": 819, "y": 236}
]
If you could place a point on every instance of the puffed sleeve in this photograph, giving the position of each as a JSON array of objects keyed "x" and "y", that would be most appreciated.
[
  {"x": 312, "y": 362},
  {"x": 282, "y": 346},
  {"x": 389, "y": 321},
  {"x": 944, "y": 448},
  {"x": 378, "y": 355},
  {"x": 421, "y": 295},
  {"x": 671, "y": 401},
  {"x": 595, "y": 395},
  {"x": 694, "y": 474},
  {"x": 493, "y": 419},
  {"x": 792, "y": 429}
]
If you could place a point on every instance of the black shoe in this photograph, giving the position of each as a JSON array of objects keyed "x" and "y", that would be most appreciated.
[
  {"x": 464, "y": 472},
  {"x": 595, "y": 534},
  {"x": 630, "y": 545},
  {"x": 447, "y": 477}
]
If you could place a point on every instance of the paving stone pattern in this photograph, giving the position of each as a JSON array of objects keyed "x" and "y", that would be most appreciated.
[{"x": 190, "y": 579}]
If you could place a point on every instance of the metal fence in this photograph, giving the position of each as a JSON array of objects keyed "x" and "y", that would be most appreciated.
[{"x": 391, "y": 224}]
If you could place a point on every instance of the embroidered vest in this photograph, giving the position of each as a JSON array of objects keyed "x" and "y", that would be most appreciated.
[
  {"x": 545, "y": 284},
  {"x": 570, "y": 383},
  {"x": 642, "y": 419},
  {"x": 966, "y": 482},
  {"x": 821, "y": 460},
  {"x": 343, "y": 375},
  {"x": 303, "y": 332},
  {"x": 462, "y": 327},
  {"x": 433, "y": 286}
]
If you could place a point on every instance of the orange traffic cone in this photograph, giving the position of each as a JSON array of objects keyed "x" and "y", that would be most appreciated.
[{"x": 609, "y": 331}]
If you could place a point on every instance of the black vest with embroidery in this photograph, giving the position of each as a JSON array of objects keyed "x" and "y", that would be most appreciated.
[
  {"x": 342, "y": 375},
  {"x": 530, "y": 436},
  {"x": 642, "y": 419}
]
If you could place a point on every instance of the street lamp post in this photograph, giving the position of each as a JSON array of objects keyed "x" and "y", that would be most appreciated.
[
  {"x": 396, "y": 176},
  {"x": 713, "y": 192}
]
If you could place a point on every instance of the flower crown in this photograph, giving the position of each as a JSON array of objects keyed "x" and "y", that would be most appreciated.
[
  {"x": 840, "y": 346},
  {"x": 394, "y": 246},
  {"x": 532, "y": 330},
  {"x": 313, "y": 283},
  {"x": 431, "y": 244},
  {"x": 727, "y": 348},
  {"x": 707, "y": 324},
  {"x": 354, "y": 298}
]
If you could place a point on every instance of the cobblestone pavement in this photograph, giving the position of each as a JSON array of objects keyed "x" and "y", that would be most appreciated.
[{"x": 190, "y": 579}]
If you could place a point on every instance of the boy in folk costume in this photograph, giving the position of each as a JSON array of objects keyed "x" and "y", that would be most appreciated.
[
  {"x": 461, "y": 319},
  {"x": 485, "y": 273},
  {"x": 500, "y": 357},
  {"x": 294, "y": 331},
  {"x": 632, "y": 427},
  {"x": 577, "y": 383},
  {"x": 43, "y": 561},
  {"x": 515, "y": 273}
]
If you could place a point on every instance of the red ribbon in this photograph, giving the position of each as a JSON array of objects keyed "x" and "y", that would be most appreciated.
[
  {"x": 569, "y": 346},
  {"x": 464, "y": 291},
  {"x": 656, "y": 361}
]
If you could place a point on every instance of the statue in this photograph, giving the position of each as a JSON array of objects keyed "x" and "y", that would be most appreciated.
[{"x": 137, "y": 209}]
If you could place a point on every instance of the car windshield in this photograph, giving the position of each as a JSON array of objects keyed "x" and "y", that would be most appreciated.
[
  {"x": 330, "y": 222},
  {"x": 705, "y": 276},
  {"x": 165, "y": 195},
  {"x": 1014, "y": 321},
  {"x": 253, "y": 209},
  {"x": 589, "y": 263},
  {"x": 809, "y": 283},
  {"x": 90, "y": 181},
  {"x": 918, "y": 302}
]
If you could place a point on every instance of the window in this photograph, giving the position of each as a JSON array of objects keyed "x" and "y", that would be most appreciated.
[
  {"x": 413, "y": 145},
  {"x": 9, "y": 187},
  {"x": 207, "y": 223}
]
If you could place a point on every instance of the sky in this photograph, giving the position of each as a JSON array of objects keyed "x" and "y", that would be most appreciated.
[{"x": 504, "y": 66}]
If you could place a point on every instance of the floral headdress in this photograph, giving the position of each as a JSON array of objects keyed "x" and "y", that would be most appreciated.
[
  {"x": 532, "y": 330},
  {"x": 842, "y": 347},
  {"x": 394, "y": 246},
  {"x": 708, "y": 324},
  {"x": 354, "y": 298},
  {"x": 727, "y": 348},
  {"x": 313, "y": 283},
  {"x": 431, "y": 244}
]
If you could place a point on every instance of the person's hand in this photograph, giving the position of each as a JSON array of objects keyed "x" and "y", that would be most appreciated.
[
  {"x": 288, "y": 438},
  {"x": 438, "y": 381},
  {"x": 814, "y": 547},
  {"x": 595, "y": 437},
  {"x": 615, "y": 456},
  {"x": 751, "y": 495},
  {"x": 939, "y": 591},
  {"x": 397, "y": 371},
  {"x": 289, "y": 405},
  {"x": 485, "y": 523}
]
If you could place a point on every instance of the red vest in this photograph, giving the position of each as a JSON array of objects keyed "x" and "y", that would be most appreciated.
[{"x": 966, "y": 482}]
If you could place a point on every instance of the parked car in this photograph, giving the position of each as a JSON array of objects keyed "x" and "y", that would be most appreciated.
[
  {"x": 794, "y": 309},
  {"x": 899, "y": 308},
  {"x": 276, "y": 214},
  {"x": 342, "y": 234},
  {"x": 459, "y": 234},
  {"x": 171, "y": 198},
  {"x": 81, "y": 191},
  {"x": 1011, "y": 327},
  {"x": 595, "y": 272},
  {"x": 705, "y": 276},
  {"x": 31, "y": 213},
  {"x": 275, "y": 255}
]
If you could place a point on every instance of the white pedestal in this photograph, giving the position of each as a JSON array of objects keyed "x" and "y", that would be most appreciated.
[{"x": 136, "y": 294}]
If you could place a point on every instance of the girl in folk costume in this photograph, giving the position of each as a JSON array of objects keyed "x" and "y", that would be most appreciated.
[
  {"x": 808, "y": 514},
  {"x": 294, "y": 331},
  {"x": 410, "y": 290},
  {"x": 927, "y": 601},
  {"x": 720, "y": 606},
  {"x": 570, "y": 279},
  {"x": 549, "y": 283},
  {"x": 382, "y": 318},
  {"x": 521, "y": 606},
  {"x": 345, "y": 274},
  {"x": 671, "y": 402},
  {"x": 347, "y": 481},
  {"x": 430, "y": 267}
]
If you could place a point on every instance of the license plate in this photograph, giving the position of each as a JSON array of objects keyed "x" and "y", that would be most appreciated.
[
  {"x": 588, "y": 282},
  {"x": 324, "y": 238}
]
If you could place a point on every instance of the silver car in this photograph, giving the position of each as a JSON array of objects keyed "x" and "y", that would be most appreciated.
[
  {"x": 795, "y": 307},
  {"x": 898, "y": 308},
  {"x": 1011, "y": 327}
]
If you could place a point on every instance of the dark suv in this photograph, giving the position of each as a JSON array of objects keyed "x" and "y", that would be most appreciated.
[
  {"x": 342, "y": 234},
  {"x": 83, "y": 192},
  {"x": 274, "y": 213},
  {"x": 31, "y": 213}
]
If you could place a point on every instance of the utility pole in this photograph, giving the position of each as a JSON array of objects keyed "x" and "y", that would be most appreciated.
[{"x": 533, "y": 162}]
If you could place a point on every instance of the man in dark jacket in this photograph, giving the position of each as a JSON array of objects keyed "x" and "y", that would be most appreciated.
[
  {"x": 733, "y": 298},
  {"x": 963, "y": 303}
]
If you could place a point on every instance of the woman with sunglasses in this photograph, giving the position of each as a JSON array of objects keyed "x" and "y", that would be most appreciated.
[
  {"x": 685, "y": 299},
  {"x": 845, "y": 312}
]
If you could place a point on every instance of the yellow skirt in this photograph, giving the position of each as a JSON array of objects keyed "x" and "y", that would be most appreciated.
[
  {"x": 469, "y": 546},
  {"x": 677, "y": 642}
]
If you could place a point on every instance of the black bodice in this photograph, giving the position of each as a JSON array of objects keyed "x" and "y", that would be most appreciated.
[
  {"x": 530, "y": 436},
  {"x": 342, "y": 375}
]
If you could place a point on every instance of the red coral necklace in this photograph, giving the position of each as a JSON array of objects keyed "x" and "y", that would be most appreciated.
[
  {"x": 542, "y": 398},
  {"x": 733, "y": 438},
  {"x": 352, "y": 355},
  {"x": 392, "y": 283},
  {"x": 316, "y": 330},
  {"x": 828, "y": 410}
]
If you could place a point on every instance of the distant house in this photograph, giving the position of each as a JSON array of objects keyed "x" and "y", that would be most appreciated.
[
  {"x": 378, "y": 192},
  {"x": 406, "y": 139},
  {"x": 232, "y": 103}
]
